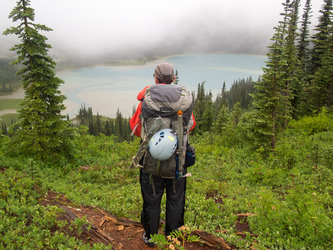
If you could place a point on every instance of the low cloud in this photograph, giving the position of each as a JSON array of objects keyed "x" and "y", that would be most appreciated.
[{"x": 140, "y": 28}]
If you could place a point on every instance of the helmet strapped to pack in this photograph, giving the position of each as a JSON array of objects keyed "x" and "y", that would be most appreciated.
[{"x": 163, "y": 144}]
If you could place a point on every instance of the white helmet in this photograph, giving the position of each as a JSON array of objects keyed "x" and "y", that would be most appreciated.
[{"x": 163, "y": 144}]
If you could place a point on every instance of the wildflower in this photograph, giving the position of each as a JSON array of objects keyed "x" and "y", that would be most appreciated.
[
  {"x": 273, "y": 207},
  {"x": 176, "y": 241},
  {"x": 172, "y": 247},
  {"x": 183, "y": 228}
]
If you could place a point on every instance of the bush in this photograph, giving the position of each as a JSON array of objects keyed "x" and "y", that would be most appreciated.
[{"x": 314, "y": 124}]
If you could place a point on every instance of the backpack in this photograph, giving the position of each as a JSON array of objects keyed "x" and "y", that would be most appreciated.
[{"x": 164, "y": 101}]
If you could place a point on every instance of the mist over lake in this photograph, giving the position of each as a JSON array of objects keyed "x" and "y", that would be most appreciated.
[{"x": 107, "y": 88}]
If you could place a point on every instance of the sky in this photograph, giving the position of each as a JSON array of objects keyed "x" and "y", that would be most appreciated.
[{"x": 100, "y": 26}]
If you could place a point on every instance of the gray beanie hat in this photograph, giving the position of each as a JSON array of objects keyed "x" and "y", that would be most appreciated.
[{"x": 164, "y": 72}]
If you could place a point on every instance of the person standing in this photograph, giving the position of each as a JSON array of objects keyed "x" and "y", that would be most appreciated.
[{"x": 154, "y": 182}]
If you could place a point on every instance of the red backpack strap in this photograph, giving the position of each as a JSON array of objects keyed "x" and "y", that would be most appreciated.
[{"x": 135, "y": 121}]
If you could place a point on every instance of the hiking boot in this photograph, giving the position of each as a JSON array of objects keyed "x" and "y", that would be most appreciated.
[{"x": 149, "y": 242}]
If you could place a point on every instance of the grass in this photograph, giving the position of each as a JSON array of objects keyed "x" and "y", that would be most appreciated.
[
  {"x": 10, "y": 104},
  {"x": 8, "y": 118},
  {"x": 289, "y": 192}
]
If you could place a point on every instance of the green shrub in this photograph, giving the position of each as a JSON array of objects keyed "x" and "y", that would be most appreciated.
[
  {"x": 297, "y": 220},
  {"x": 314, "y": 124},
  {"x": 23, "y": 222},
  {"x": 289, "y": 190}
]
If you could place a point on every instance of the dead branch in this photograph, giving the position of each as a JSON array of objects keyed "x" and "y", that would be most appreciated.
[{"x": 211, "y": 240}]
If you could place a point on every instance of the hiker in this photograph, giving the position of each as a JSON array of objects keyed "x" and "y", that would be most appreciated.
[{"x": 156, "y": 174}]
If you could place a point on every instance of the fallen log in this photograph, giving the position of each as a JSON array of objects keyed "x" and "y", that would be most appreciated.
[
  {"x": 94, "y": 233},
  {"x": 211, "y": 240},
  {"x": 240, "y": 216},
  {"x": 244, "y": 234}
]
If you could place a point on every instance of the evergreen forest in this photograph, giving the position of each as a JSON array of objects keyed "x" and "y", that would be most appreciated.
[{"x": 264, "y": 148}]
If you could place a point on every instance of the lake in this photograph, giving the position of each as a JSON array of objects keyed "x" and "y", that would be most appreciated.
[{"x": 107, "y": 88}]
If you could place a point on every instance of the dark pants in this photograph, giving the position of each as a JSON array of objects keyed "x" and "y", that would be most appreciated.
[{"x": 175, "y": 202}]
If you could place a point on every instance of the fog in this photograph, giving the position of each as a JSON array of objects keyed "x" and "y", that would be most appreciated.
[{"x": 131, "y": 28}]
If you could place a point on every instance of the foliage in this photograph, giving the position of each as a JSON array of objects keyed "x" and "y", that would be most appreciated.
[
  {"x": 199, "y": 106},
  {"x": 240, "y": 91},
  {"x": 41, "y": 130},
  {"x": 24, "y": 222},
  {"x": 8, "y": 79},
  {"x": 176, "y": 240},
  {"x": 268, "y": 98},
  {"x": 97, "y": 125},
  {"x": 6, "y": 121},
  {"x": 287, "y": 190},
  {"x": 303, "y": 38},
  {"x": 314, "y": 124},
  {"x": 318, "y": 88},
  {"x": 9, "y": 104}
]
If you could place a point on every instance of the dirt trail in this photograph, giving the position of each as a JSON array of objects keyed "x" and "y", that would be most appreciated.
[{"x": 121, "y": 233}]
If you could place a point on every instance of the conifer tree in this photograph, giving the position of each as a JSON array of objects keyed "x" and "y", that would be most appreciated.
[
  {"x": 107, "y": 131},
  {"x": 321, "y": 37},
  {"x": 293, "y": 70},
  {"x": 98, "y": 127},
  {"x": 177, "y": 78},
  {"x": 322, "y": 82},
  {"x": 43, "y": 132},
  {"x": 91, "y": 126},
  {"x": 112, "y": 127},
  {"x": 208, "y": 114},
  {"x": 303, "y": 49},
  {"x": 282, "y": 76},
  {"x": 224, "y": 101},
  {"x": 232, "y": 128},
  {"x": 240, "y": 92},
  {"x": 119, "y": 129},
  {"x": 199, "y": 105},
  {"x": 221, "y": 120},
  {"x": 236, "y": 114},
  {"x": 268, "y": 100},
  {"x": 319, "y": 91}
]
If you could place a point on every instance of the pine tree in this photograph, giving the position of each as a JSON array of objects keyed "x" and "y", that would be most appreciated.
[
  {"x": 224, "y": 100},
  {"x": 91, "y": 126},
  {"x": 321, "y": 37},
  {"x": 303, "y": 49},
  {"x": 199, "y": 105},
  {"x": 293, "y": 69},
  {"x": 236, "y": 114},
  {"x": 208, "y": 114},
  {"x": 43, "y": 132},
  {"x": 177, "y": 78},
  {"x": 119, "y": 129},
  {"x": 98, "y": 127},
  {"x": 319, "y": 91},
  {"x": 232, "y": 128},
  {"x": 240, "y": 92},
  {"x": 107, "y": 129},
  {"x": 221, "y": 120},
  {"x": 272, "y": 99},
  {"x": 268, "y": 100}
]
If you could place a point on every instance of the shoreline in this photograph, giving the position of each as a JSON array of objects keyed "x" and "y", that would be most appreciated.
[
  {"x": 7, "y": 111},
  {"x": 70, "y": 106},
  {"x": 17, "y": 94}
]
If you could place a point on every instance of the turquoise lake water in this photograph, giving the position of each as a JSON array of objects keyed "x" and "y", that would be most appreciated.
[{"x": 107, "y": 88}]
